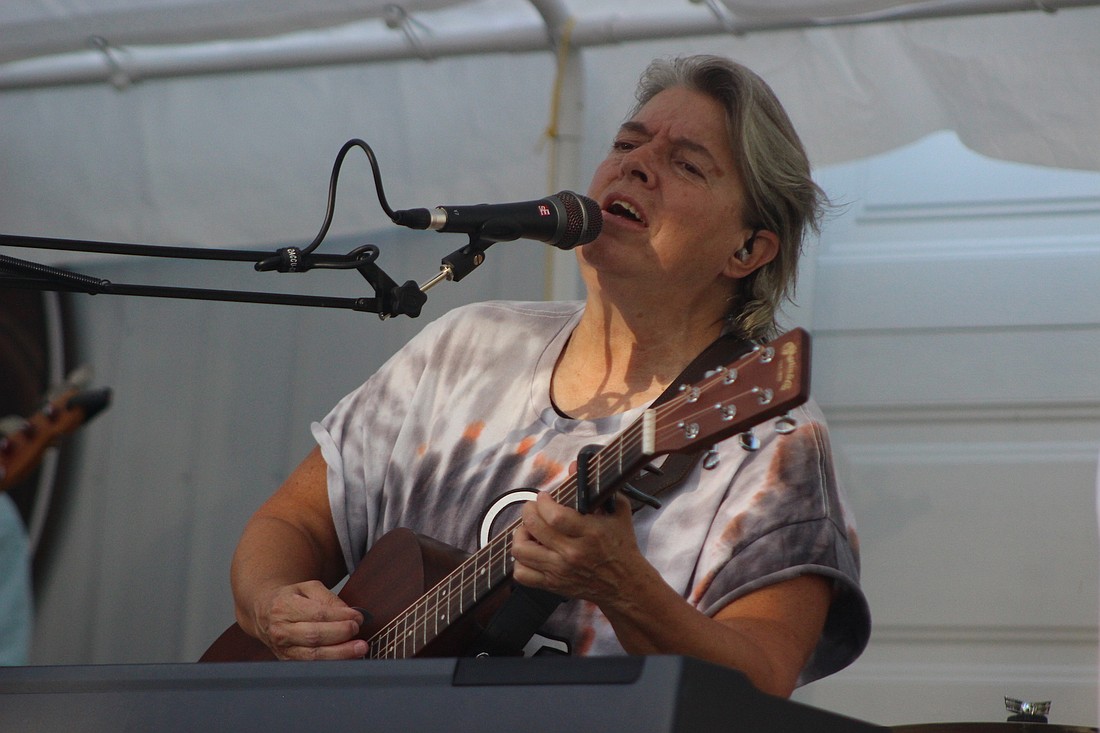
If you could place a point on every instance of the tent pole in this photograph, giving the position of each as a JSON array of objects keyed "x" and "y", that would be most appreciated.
[{"x": 564, "y": 135}]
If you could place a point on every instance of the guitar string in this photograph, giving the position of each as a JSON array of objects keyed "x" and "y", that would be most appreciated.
[{"x": 566, "y": 492}]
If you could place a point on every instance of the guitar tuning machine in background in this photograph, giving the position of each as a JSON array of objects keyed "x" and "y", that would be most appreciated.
[
  {"x": 711, "y": 459},
  {"x": 786, "y": 424},
  {"x": 748, "y": 441}
]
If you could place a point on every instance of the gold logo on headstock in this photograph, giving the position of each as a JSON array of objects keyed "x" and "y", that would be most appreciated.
[{"x": 787, "y": 368}]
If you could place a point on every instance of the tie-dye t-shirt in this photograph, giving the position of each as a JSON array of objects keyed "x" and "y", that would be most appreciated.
[{"x": 457, "y": 429}]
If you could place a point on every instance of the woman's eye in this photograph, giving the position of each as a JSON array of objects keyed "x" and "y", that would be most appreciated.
[{"x": 691, "y": 168}]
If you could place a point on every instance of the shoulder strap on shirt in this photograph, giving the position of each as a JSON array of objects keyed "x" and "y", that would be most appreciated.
[{"x": 676, "y": 467}]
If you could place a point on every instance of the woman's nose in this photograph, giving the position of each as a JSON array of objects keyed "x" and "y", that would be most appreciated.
[{"x": 638, "y": 164}]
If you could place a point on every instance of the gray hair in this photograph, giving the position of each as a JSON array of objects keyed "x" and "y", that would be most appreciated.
[{"x": 780, "y": 194}]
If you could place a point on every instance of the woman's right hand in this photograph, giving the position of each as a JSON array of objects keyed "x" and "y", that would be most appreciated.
[{"x": 307, "y": 621}]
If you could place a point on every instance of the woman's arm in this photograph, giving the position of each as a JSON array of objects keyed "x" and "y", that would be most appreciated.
[
  {"x": 285, "y": 562},
  {"x": 768, "y": 634}
]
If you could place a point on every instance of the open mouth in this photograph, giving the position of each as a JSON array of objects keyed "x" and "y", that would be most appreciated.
[{"x": 625, "y": 210}]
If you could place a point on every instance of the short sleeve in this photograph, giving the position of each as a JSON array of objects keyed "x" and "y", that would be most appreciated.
[{"x": 796, "y": 524}]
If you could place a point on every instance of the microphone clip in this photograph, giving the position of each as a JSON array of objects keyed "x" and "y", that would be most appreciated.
[{"x": 462, "y": 262}]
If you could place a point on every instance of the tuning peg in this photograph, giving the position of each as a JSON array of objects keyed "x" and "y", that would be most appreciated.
[
  {"x": 749, "y": 441},
  {"x": 711, "y": 459},
  {"x": 786, "y": 424}
]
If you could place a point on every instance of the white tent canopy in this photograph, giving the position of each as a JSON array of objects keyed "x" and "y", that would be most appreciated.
[
  {"x": 32, "y": 28},
  {"x": 1022, "y": 87}
]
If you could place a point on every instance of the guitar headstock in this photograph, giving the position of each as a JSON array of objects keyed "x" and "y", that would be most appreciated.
[
  {"x": 766, "y": 382},
  {"x": 21, "y": 449}
]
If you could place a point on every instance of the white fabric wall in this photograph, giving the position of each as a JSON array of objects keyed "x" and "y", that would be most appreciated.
[{"x": 956, "y": 328}]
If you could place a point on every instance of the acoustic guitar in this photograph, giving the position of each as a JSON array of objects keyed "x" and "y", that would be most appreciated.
[{"x": 422, "y": 598}]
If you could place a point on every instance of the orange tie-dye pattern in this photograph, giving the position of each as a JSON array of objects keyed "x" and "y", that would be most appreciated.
[
  {"x": 730, "y": 536},
  {"x": 791, "y": 464},
  {"x": 544, "y": 469},
  {"x": 473, "y": 430}
]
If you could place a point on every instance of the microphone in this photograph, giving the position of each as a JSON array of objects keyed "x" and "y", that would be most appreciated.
[{"x": 564, "y": 220}]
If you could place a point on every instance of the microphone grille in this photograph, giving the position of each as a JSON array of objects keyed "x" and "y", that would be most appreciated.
[{"x": 583, "y": 220}]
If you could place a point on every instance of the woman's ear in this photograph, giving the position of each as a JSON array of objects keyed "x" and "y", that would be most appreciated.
[{"x": 758, "y": 249}]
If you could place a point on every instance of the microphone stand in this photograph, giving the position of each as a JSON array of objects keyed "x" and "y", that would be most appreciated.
[{"x": 390, "y": 298}]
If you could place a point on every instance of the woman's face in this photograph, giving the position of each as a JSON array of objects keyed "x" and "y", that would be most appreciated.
[{"x": 671, "y": 197}]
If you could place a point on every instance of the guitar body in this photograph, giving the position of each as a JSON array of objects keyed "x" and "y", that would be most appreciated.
[{"x": 400, "y": 568}]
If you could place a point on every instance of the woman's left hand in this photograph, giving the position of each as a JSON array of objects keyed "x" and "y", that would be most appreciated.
[{"x": 572, "y": 554}]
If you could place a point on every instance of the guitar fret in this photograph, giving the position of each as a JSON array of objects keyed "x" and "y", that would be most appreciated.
[
  {"x": 411, "y": 644},
  {"x": 381, "y": 645},
  {"x": 436, "y": 611},
  {"x": 594, "y": 491},
  {"x": 395, "y": 641},
  {"x": 408, "y": 633},
  {"x": 454, "y": 600},
  {"x": 403, "y": 637},
  {"x": 620, "y": 445},
  {"x": 464, "y": 590},
  {"x": 506, "y": 563},
  {"x": 385, "y": 650}
]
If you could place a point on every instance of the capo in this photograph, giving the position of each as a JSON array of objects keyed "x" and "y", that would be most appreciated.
[
  {"x": 584, "y": 498},
  {"x": 584, "y": 495}
]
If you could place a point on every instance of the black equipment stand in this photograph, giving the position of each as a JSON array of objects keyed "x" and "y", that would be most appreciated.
[{"x": 468, "y": 695}]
